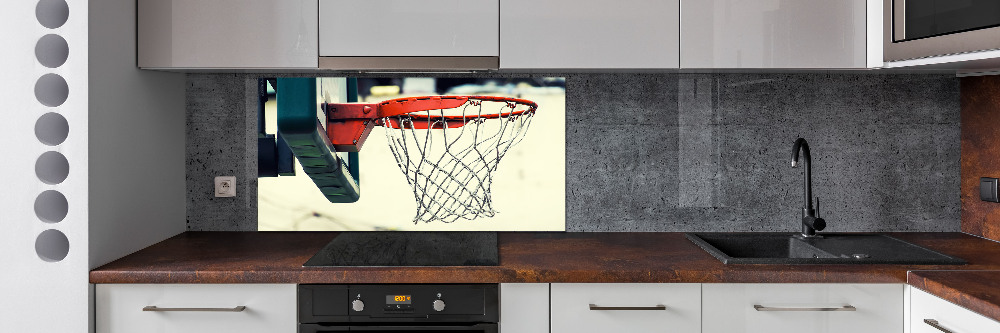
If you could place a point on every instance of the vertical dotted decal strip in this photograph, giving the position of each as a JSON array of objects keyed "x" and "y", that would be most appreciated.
[
  {"x": 45, "y": 190},
  {"x": 51, "y": 129}
]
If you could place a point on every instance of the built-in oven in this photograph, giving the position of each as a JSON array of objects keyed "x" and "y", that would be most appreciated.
[
  {"x": 464, "y": 308},
  {"x": 927, "y": 28}
]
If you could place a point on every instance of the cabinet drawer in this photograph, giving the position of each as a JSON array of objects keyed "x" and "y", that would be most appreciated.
[
  {"x": 730, "y": 308},
  {"x": 627, "y": 307},
  {"x": 409, "y": 28},
  {"x": 949, "y": 316},
  {"x": 268, "y": 308}
]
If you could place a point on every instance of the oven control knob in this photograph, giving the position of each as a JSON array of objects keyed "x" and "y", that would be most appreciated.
[
  {"x": 358, "y": 305},
  {"x": 438, "y": 305}
]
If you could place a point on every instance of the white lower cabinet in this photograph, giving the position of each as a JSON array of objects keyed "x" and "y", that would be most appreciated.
[
  {"x": 196, "y": 308},
  {"x": 524, "y": 308},
  {"x": 570, "y": 308},
  {"x": 626, "y": 307},
  {"x": 930, "y": 314},
  {"x": 802, "y": 308}
]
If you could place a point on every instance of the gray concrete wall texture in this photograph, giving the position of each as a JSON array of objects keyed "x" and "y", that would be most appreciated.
[
  {"x": 221, "y": 141},
  {"x": 683, "y": 152}
]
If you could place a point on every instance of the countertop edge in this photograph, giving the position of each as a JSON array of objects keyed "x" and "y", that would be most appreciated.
[{"x": 931, "y": 282}]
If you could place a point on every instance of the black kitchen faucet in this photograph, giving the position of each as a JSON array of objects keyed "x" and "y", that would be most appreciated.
[{"x": 810, "y": 222}]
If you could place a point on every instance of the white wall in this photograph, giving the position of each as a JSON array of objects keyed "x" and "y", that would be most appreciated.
[
  {"x": 137, "y": 184},
  {"x": 125, "y": 126},
  {"x": 37, "y": 295}
]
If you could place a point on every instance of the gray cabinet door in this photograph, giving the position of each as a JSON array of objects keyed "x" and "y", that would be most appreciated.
[
  {"x": 589, "y": 34},
  {"x": 227, "y": 34},
  {"x": 774, "y": 34},
  {"x": 409, "y": 28}
]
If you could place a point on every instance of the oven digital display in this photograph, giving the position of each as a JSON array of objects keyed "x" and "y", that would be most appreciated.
[{"x": 397, "y": 299}]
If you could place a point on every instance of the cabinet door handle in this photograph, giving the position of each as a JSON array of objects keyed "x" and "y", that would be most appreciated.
[
  {"x": 759, "y": 307},
  {"x": 631, "y": 308},
  {"x": 233, "y": 309},
  {"x": 935, "y": 324}
]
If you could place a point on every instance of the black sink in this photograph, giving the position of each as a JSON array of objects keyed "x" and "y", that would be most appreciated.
[{"x": 787, "y": 248}]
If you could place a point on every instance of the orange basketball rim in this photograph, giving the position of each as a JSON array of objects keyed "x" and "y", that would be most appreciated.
[{"x": 348, "y": 124}]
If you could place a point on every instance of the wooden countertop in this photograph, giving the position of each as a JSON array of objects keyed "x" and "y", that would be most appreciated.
[
  {"x": 978, "y": 291},
  {"x": 277, "y": 257}
]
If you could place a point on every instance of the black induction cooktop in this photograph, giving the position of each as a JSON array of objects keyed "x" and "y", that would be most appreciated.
[{"x": 409, "y": 248}]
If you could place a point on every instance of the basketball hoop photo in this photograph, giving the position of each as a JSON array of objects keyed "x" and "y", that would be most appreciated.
[{"x": 423, "y": 154}]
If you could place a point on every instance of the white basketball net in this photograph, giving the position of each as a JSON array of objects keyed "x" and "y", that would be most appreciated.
[{"x": 451, "y": 169}]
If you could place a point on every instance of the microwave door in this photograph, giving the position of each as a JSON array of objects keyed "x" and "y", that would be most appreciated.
[
  {"x": 914, "y": 29},
  {"x": 916, "y": 19}
]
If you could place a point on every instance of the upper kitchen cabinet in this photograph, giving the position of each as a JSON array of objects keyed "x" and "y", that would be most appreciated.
[
  {"x": 225, "y": 34},
  {"x": 575, "y": 34},
  {"x": 407, "y": 34},
  {"x": 780, "y": 34}
]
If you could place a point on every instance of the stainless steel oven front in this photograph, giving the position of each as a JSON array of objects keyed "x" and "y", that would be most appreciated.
[
  {"x": 927, "y": 28},
  {"x": 392, "y": 308}
]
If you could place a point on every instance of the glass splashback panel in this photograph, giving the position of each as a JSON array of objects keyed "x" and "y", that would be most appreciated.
[{"x": 494, "y": 167}]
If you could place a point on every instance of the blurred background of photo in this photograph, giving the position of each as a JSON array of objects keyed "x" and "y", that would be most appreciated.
[{"x": 528, "y": 187}]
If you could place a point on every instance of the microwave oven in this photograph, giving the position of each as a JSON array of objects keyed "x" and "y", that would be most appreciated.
[{"x": 915, "y": 29}]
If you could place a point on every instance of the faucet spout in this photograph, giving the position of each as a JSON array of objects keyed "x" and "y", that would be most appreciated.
[
  {"x": 810, "y": 222},
  {"x": 803, "y": 146}
]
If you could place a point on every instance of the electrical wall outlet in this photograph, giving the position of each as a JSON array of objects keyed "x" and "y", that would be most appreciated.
[
  {"x": 225, "y": 186},
  {"x": 988, "y": 189}
]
